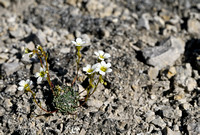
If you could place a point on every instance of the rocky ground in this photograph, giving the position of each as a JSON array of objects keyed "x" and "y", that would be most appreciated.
[{"x": 154, "y": 46}]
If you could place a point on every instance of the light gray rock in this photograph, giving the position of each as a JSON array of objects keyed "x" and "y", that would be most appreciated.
[
  {"x": 153, "y": 72},
  {"x": 159, "y": 122},
  {"x": 161, "y": 56},
  {"x": 17, "y": 33},
  {"x": 42, "y": 37},
  {"x": 11, "y": 89},
  {"x": 7, "y": 104},
  {"x": 2, "y": 111},
  {"x": 190, "y": 83},
  {"x": 193, "y": 26},
  {"x": 150, "y": 116},
  {"x": 168, "y": 112},
  {"x": 65, "y": 50},
  {"x": 143, "y": 22},
  {"x": 5, "y": 3},
  {"x": 10, "y": 68},
  {"x": 95, "y": 103},
  {"x": 193, "y": 128},
  {"x": 3, "y": 57},
  {"x": 168, "y": 131}
]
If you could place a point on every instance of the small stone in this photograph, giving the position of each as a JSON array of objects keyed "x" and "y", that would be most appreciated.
[
  {"x": 149, "y": 116},
  {"x": 7, "y": 104},
  {"x": 159, "y": 20},
  {"x": 2, "y": 111},
  {"x": 168, "y": 131},
  {"x": 10, "y": 68},
  {"x": 65, "y": 50},
  {"x": 198, "y": 6},
  {"x": 42, "y": 38},
  {"x": 82, "y": 132},
  {"x": 5, "y": 3},
  {"x": 179, "y": 97},
  {"x": 11, "y": 89},
  {"x": 160, "y": 56},
  {"x": 153, "y": 72},
  {"x": 194, "y": 128},
  {"x": 171, "y": 72},
  {"x": 191, "y": 84},
  {"x": 170, "y": 29},
  {"x": 186, "y": 106},
  {"x": 30, "y": 46},
  {"x": 17, "y": 33},
  {"x": 193, "y": 26},
  {"x": 159, "y": 122},
  {"x": 143, "y": 22},
  {"x": 3, "y": 57},
  {"x": 95, "y": 103},
  {"x": 168, "y": 112}
]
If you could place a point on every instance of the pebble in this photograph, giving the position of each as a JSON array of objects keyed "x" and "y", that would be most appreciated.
[
  {"x": 2, "y": 111},
  {"x": 168, "y": 131},
  {"x": 65, "y": 50},
  {"x": 194, "y": 128},
  {"x": 3, "y": 57},
  {"x": 171, "y": 72},
  {"x": 7, "y": 104},
  {"x": 153, "y": 72},
  {"x": 159, "y": 20},
  {"x": 143, "y": 22},
  {"x": 191, "y": 84},
  {"x": 159, "y": 122},
  {"x": 160, "y": 56},
  {"x": 168, "y": 112},
  {"x": 193, "y": 26},
  {"x": 11, "y": 89},
  {"x": 42, "y": 38},
  {"x": 95, "y": 103},
  {"x": 17, "y": 33},
  {"x": 149, "y": 116},
  {"x": 5, "y": 3},
  {"x": 10, "y": 68}
]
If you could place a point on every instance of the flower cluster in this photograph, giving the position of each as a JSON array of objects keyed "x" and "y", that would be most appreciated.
[{"x": 66, "y": 99}]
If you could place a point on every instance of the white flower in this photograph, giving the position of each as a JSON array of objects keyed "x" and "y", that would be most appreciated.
[
  {"x": 78, "y": 42},
  {"x": 101, "y": 55},
  {"x": 90, "y": 69},
  {"x": 103, "y": 68},
  {"x": 24, "y": 84},
  {"x": 41, "y": 74}
]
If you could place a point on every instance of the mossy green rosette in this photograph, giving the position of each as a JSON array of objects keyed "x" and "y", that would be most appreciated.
[{"x": 66, "y": 99}]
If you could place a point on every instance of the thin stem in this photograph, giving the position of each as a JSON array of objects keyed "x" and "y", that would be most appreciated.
[
  {"x": 77, "y": 69},
  {"x": 34, "y": 99},
  {"x": 90, "y": 94}
]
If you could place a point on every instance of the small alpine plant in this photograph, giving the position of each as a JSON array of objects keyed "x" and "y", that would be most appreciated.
[{"x": 65, "y": 98}]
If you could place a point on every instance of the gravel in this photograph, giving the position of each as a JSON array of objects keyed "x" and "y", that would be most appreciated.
[{"x": 154, "y": 46}]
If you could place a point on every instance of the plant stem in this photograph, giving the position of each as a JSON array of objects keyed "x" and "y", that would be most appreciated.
[{"x": 34, "y": 99}]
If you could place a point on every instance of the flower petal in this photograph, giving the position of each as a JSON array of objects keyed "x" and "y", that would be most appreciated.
[
  {"x": 101, "y": 52},
  {"x": 20, "y": 88},
  {"x": 103, "y": 63},
  {"x": 22, "y": 83},
  {"x": 108, "y": 65},
  {"x": 78, "y": 40},
  {"x": 37, "y": 74},
  {"x": 109, "y": 70},
  {"x": 74, "y": 42},
  {"x": 101, "y": 72},
  {"x": 96, "y": 53},
  {"x": 106, "y": 55},
  {"x": 30, "y": 83},
  {"x": 39, "y": 79}
]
